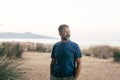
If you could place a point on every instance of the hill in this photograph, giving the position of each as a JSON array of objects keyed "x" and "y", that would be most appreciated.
[{"x": 26, "y": 35}]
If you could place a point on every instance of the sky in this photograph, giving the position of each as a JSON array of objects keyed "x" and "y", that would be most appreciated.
[{"x": 88, "y": 19}]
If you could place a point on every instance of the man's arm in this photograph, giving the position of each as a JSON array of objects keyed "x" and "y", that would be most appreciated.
[
  {"x": 51, "y": 66},
  {"x": 78, "y": 68}
]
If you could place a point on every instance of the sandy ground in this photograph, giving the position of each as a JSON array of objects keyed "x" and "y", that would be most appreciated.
[{"x": 37, "y": 67}]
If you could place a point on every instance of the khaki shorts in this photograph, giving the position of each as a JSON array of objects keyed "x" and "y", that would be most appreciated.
[{"x": 58, "y": 78}]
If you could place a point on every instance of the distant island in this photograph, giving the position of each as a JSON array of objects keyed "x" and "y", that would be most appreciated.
[{"x": 26, "y": 35}]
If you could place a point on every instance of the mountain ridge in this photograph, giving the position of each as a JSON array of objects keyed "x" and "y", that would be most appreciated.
[{"x": 25, "y": 35}]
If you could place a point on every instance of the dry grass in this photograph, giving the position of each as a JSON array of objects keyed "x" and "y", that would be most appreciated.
[
  {"x": 37, "y": 67},
  {"x": 26, "y": 46},
  {"x": 101, "y": 51},
  {"x": 11, "y": 50},
  {"x": 10, "y": 69}
]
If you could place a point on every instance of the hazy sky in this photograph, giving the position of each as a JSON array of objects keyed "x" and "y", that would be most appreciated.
[{"x": 86, "y": 18}]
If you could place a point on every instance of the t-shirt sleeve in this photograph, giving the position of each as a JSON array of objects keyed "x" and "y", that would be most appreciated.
[
  {"x": 53, "y": 52},
  {"x": 78, "y": 53}
]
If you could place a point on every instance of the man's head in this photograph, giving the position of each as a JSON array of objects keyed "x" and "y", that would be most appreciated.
[{"x": 64, "y": 32}]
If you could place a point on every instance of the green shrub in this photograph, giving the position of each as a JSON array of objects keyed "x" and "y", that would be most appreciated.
[
  {"x": 2, "y": 51},
  {"x": 9, "y": 69},
  {"x": 117, "y": 55},
  {"x": 18, "y": 50}
]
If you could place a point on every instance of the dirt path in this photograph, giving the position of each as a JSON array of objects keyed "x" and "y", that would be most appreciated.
[{"x": 37, "y": 67}]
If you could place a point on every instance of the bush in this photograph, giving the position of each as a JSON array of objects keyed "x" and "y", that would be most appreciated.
[
  {"x": 104, "y": 57},
  {"x": 116, "y": 55},
  {"x": 18, "y": 50},
  {"x": 11, "y": 49},
  {"x": 40, "y": 47},
  {"x": 9, "y": 69},
  {"x": 43, "y": 47},
  {"x": 87, "y": 54},
  {"x": 102, "y": 51}
]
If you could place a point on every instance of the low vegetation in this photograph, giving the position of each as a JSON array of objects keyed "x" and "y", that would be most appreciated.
[
  {"x": 16, "y": 49},
  {"x": 39, "y": 47},
  {"x": 103, "y": 51},
  {"x": 116, "y": 55},
  {"x": 11, "y": 50},
  {"x": 9, "y": 69}
]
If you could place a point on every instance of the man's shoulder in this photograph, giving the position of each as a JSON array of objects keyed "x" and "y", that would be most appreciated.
[
  {"x": 57, "y": 43},
  {"x": 74, "y": 43}
]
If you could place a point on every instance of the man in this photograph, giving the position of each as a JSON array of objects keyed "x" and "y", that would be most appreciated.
[{"x": 66, "y": 57}]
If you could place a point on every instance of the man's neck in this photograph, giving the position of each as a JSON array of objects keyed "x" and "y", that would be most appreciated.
[{"x": 64, "y": 40}]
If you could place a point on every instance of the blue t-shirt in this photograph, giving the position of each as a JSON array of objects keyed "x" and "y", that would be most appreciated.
[{"x": 64, "y": 55}]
